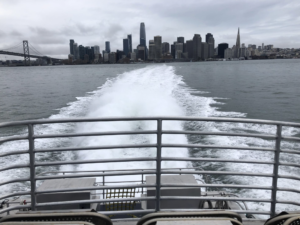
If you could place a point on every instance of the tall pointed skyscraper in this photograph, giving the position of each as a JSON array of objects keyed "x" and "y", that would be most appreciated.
[
  {"x": 238, "y": 45},
  {"x": 129, "y": 37},
  {"x": 142, "y": 35},
  {"x": 143, "y": 39}
]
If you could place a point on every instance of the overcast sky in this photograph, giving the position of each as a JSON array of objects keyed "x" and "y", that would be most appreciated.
[{"x": 49, "y": 25}]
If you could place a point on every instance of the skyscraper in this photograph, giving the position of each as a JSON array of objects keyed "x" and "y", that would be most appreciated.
[
  {"x": 207, "y": 36},
  {"x": 189, "y": 48},
  {"x": 237, "y": 46},
  {"x": 141, "y": 52},
  {"x": 197, "y": 46},
  {"x": 87, "y": 53},
  {"x": 71, "y": 47},
  {"x": 173, "y": 50},
  {"x": 107, "y": 47},
  {"x": 228, "y": 53},
  {"x": 142, "y": 35},
  {"x": 157, "y": 42},
  {"x": 129, "y": 36},
  {"x": 92, "y": 53},
  {"x": 204, "y": 50},
  {"x": 119, "y": 55},
  {"x": 180, "y": 40},
  {"x": 221, "y": 49},
  {"x": 165, "y": 48},
  {"x": 81, "y": 52},
  {"x": 151, "y": 55},
  {"x": 178, "y": 50},
  {"x": 209, "y": 39},
  {"x": 75, "y": 51},
  {"x": 126, "y": 46},
  {"x": 143, "y": 39},
  {"x": 96, "y": 49}
]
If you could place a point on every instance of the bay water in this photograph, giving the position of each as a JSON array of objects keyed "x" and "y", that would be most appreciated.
[{"x": 257, "y": 89}]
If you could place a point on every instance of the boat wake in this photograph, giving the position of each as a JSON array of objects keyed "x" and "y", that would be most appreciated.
[{"x": 156, "y": 91}]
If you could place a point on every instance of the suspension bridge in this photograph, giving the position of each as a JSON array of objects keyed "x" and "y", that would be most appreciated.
[{"x": 26, "y": 50}]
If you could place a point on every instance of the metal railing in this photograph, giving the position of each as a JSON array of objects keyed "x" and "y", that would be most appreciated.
[
  {"x": 158, "y": 171},
  {"x": 205, "y": 180},
  {"x": 104, "y": 182}
]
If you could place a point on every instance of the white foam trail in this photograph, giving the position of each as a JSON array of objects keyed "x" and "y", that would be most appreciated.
[
  {"x": 158, "y": 91},
  {"x": 144, "y": 92},
  {"x": 200, "y": 106}
]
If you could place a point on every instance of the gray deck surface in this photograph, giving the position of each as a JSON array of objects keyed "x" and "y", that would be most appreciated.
[{"x": 245, "y": 222}]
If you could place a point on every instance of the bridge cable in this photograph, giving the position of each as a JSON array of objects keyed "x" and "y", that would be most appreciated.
[
  {"x": 14, "y": 47},
  {"x": 34, "y": 50}
]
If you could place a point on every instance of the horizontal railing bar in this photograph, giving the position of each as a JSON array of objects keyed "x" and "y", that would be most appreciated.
[
  {"x": 288, "y": 189},
  {"x": 96, "y": 188},
  {"x": 84, "y": 171},
  {"x": 89, "y": 175},
  {"x": 289, "y": 177},
  {"x": 15, "y": 180},
  {"x": 288, "y": 202},
  {"x": 117, "y": 182},
  {"x": 14, "y": 167},
  {"x": 289, "y": 164},
  {"x": 76, "y": 120},
  {"x": 290, "y": 151},
  {"x": 107, "y": 119},
  {"x": 96, "y": 148},
  {"x": 220, "y": 173},
  {"x": 15, "y": 194},
  {"x": 231, "y": 210},
  {"x": 290, "y": 138},
  {"x": 130, "y": 212},
  {"x": 215, "y": 146},
  {"x": 218, "y": 185},
  {"x": 95, "y": 161},
  {"x": 217, "y": 134},
  {"x": 236, "y": 120},
  {"x": 94, "y": 201},
  {"x": 214, "y": 198},
  {"x": 215, "y": 160},
  {"x": 94, "y": 134},
  {"x": 14, "y": 153},
  {"x": 15, "y": 208},
  {"x": 150, "y": 185},
  {"x": 14, "y": 138}
]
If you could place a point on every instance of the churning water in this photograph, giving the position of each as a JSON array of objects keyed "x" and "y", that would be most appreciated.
[{"x": 191, "y": 89}]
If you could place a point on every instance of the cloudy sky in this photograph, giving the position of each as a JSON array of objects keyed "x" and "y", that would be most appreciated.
[{"x": 49, "y": 25}]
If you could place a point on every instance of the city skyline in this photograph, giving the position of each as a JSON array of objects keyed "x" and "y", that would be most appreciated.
[
  {"x": 196, "y": 49},
  {"x": 271, "y": 22}
]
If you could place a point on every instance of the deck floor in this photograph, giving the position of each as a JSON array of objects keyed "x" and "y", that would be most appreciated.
[{"x": 245, "y": 222}]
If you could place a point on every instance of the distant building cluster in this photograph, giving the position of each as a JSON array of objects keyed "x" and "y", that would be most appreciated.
[
  {"x": 194, "y": 49},
  {"x": 37, "y": 62},
  {"x": 239, "y": 51},
  {"x": 84, "y": 54}
]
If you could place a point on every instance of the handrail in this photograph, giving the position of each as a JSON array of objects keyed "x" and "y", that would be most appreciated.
[
  {"x": 159, "y": 158},
  {"x": 111, "y": 119}
]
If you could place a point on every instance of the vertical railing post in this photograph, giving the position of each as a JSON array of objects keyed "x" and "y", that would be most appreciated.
[
  {"x": 103, "y": 184},
  {"x": 32, "y": 166},
  {"x": 275, "y": 170},
  {"x": 142, "y": 181},
  {"x": 158, "y": 164}
]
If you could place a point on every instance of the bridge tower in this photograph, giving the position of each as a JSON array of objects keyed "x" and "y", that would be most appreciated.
[{"x": 26, "y": 53}]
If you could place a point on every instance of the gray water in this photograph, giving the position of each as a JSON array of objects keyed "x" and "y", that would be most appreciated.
[
  {"x": 263, "y": 89},
  {"x": 249, "y": 89}
]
